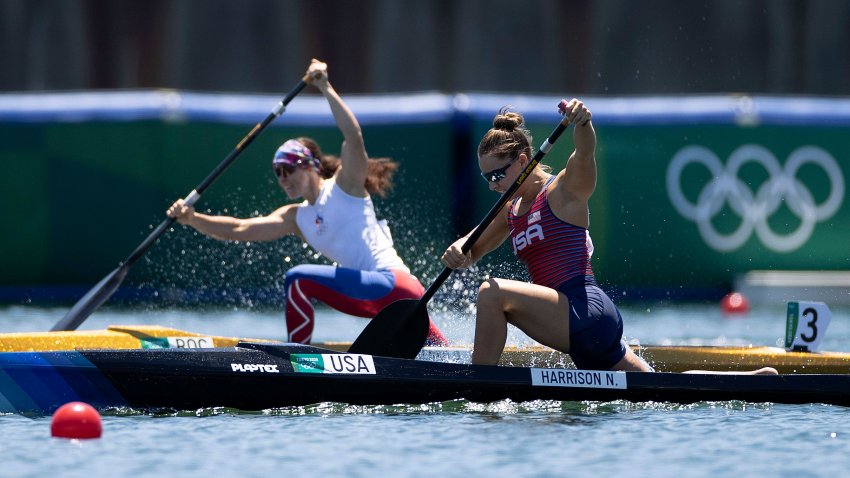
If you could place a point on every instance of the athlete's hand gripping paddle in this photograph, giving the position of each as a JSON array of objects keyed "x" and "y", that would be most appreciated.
[
  {"x": 108, "y": 285},
  {"x": 400, "y": 329}
]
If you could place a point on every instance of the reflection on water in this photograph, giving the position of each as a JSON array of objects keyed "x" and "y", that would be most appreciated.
[{"x": 550, "y": 411}]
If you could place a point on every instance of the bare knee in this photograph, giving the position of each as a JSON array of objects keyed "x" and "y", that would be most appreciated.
[{"x": 489, "y": 293}]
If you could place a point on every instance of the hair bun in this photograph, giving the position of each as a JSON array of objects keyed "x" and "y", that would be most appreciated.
[{"x": 507, "y": 120}]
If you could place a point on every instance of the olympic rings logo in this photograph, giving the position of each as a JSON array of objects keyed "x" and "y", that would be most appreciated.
[{"x": 755, "y": 207}]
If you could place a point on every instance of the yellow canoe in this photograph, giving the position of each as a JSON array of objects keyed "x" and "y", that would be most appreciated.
[
  {"x": 670, "y": 358},
  {"x": 662, "y": 357},
  {"x": 114, "y": 337}
]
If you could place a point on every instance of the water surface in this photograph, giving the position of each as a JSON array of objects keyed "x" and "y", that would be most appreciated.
[{"x": 458, "y": 438}]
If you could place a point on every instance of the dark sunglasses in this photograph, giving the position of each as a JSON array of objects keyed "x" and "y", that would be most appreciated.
[
  {"x": 497, "y": 175},
  {"x": 286, "y": 169}
]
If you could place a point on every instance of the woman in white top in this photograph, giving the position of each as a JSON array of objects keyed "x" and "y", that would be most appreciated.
[{"x": 337, "y": 218}]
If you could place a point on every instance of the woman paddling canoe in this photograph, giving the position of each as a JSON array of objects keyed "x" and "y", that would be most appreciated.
[
  {"x": 337, "y": 218},
  {"x": 547, "y": 222}
]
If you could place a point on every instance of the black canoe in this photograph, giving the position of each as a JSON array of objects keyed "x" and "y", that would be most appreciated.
[{"x": 255, "y": 376}]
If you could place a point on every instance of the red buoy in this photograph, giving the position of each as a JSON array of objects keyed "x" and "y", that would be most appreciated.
[
  {"x": 735, "y": 303},
  {"x": 76, "y": 420}
]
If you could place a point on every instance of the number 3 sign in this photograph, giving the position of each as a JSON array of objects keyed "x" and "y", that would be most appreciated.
[{"x": 805, "y": 325}]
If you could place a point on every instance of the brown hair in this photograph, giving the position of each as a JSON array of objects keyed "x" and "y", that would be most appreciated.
[
  {"x": 507, "y": 138},
  {"x": 379, "y": 174}
]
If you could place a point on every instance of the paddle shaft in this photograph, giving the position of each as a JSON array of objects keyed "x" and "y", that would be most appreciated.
[
  {"x": 400, "y": 329},
  {"x": 106, "y": 287},
  {"x": 193, "y": 196},
  {"x": 497, "y": 208}
]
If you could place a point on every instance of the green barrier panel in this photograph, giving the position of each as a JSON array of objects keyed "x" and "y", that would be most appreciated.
[
  {"x": 80, "y": 195},
  {"x": 685, "y": 202},
  {"x": 699, "y": 204},
  {"x": 691, "y": 190}
]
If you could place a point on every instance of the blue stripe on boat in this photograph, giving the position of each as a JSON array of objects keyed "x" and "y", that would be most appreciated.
[{"x": 42, "y": 382}]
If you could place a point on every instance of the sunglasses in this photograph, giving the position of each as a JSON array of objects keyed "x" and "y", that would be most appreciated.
[
  {"x": 497, "y": 175},
  {"x": 287, "y": 169}
]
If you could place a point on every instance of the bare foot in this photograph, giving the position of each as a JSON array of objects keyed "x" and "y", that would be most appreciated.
[
  {"x": 765, "y": 371},
  {"x": 761, "y": 371}
]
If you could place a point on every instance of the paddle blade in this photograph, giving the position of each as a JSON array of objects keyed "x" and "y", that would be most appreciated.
[
  {"x": 399, "y": 330},
  {"x": 99, "y": 294}
]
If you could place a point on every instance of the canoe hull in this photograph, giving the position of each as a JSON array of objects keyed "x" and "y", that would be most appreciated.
[{"x": 256, "y": 376}]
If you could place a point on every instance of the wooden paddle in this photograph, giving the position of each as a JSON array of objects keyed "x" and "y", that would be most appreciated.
[
  {"x": 400, "y": 329},
  {"x": 104, "y": 289}
]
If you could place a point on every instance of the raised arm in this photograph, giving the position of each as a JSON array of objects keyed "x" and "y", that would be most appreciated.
[
  {"x": 351, "y": 176},
  {"x": 278, "y": 224},
  {"x": 579, "y": 175}
]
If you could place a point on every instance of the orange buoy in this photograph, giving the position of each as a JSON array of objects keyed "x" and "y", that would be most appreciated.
[
  {"x": 76, "y": 420},
  {"x": 735, "y": 303}
]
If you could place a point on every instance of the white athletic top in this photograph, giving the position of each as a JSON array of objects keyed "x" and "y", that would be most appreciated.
[{"x": 345, "y": 229}]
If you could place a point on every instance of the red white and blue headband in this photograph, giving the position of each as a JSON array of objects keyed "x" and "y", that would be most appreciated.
[{"x": 294, "y": 153}]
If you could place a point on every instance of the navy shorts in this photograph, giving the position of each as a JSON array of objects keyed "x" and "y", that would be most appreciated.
[{"x": 596, "y": 326}]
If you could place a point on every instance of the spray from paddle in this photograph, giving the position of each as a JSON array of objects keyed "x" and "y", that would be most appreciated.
[
  {"x": 104, "y": 289},
  {"x": 400, "y": 329}
]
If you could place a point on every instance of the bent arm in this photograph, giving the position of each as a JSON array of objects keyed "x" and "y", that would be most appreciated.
[
  {"x": 492, "y": 237},
  {"x": 351, "y": 176},
  {"x": 579, "y": 176}
]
